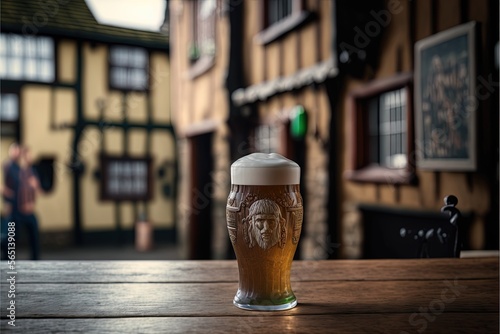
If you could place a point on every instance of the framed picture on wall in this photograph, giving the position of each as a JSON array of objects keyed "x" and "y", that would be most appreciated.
[{"x": 445, "y": 100}]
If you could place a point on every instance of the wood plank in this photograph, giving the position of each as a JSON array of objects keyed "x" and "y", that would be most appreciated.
[
  {"x": 390, "y": 269},
  {"x": 226, "y": 271},
  {"x": 100, "y": 300},
  {"x": 273, "y": 61},
  {"x": 308, "y": 44},
  {"x": 345, "y": 323},
  {"x": 326, "y": 29},
  {"x": 424, "y": 18},
  {"x": 448, "y": 14},
  {"x": 289, "y": 59}
]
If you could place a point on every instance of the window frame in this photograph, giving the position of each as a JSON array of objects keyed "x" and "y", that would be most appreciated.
[
  {"x": 274, "y": 133},
  {"x": 204, "y": 61},
  {"x": 361, "y": 169},
  {"x": 111, "y": 86},
  {"x": 281, "y": 124},
  {"x": 106, "y": 159},
  {"x": 272, "y": 32}
]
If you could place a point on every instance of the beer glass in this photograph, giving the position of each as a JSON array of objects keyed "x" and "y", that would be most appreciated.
[{"x": 264, "y": 220}]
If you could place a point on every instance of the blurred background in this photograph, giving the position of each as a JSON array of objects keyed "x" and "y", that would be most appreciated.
[{"x": 133, "y": 112}]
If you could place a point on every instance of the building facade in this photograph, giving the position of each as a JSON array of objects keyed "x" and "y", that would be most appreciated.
[
  {"x": 238, "y": 84},
  {"x": 396, "y": 174},
  {"x": 91, "y": 101},
  {"x": 199, "y": 57},
  {"x": 308, "y": 79}
]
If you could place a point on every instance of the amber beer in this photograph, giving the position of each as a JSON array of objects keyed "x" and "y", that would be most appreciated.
[{"x": 264, "y": 220}]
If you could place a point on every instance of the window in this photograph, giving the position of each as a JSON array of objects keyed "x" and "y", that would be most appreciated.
[
  {"x": 204, "y": 23},
  {"x": 277, "y": 10},
  {"x": 128, "y": 68},
  {"x": 125, "y": 178},
  {"x": 9, "y": 107},
  {"x": 201, "y": 51},
  {"x": 382, "y": 137},
  {"x": 281, "y": 17},
  {"x": 266, "y": 139},
  {"x": 9, "y": 115},
  {"x": 387, "y": 129},
  {"x": 27, "y": 58}
]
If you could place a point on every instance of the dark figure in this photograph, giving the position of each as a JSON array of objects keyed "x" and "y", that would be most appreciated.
[{"x": 19, "y": 194}]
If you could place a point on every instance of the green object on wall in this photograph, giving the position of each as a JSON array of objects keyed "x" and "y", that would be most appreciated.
[{"x": 298, "y": 124}]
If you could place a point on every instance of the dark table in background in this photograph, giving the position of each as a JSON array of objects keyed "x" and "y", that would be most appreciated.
[{"x": 344, "y": 296}]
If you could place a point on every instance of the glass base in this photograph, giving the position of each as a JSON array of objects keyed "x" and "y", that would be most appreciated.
[{"x": 253, "y": 307}]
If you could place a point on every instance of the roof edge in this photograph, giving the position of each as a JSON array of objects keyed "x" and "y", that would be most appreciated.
[{"x": 91, "y": 36}]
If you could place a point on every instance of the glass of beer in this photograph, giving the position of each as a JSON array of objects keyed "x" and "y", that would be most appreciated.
[{"x": 264, "y": 220}]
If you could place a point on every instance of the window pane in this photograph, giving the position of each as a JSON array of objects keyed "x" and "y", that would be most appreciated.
[
  {"x": 16, "y": 46},
  {"x": 122, "y": 77},
  {"x": 392, "y": 149},
  {"x": 134, "y": 78},
  {"x": 114, "y": 169},
  {"x": 139, "y": 79},
  {"x": 30, "y": 69},
  {"x": 46, "y": 70},
  {"x": 9, "y": 107},
  {"x": 123, "y": 56},
  {"x": 114, "y": 80},
  {"x": 112, "y": 186},
  {"x": 119, "y": 56},
  {"x": 15, "y": 68},
  {"x": 273, "y": 11},
  {"x": 138, "y": 186},
  {"x": 279, "y": 10},
  {"x": 140, "y": 169},
  {"x": 204, "y": 26},
  {"x": 118, "y": 77},
  {"x": 30, "y": 47},
  {"x": 266, "y": 139},
  {"x": 3, "y": 44},
  {"x": 127, "y": 169},
  {"x": 385, "y": 144},
  {"x": 128, "y": 68},
  {"x": 138, "y": 58},
  {"x": 3, "y": 67},
  {"x": 392, "y": 128},
  {"x": 207, "y": 8},
  {"x": 44, "y": 48},
  {"x": 129, "y": 79}
]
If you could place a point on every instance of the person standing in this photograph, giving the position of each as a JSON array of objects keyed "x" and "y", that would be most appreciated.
[
  {"x": 10, "y": 190},
  {"x": 22, "y": 184},
  {"x": 28, "y": 189}
]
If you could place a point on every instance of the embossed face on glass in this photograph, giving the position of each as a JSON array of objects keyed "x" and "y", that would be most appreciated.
[
  {"x": 265, "y": 223},
  {"x": 265, "y": 230}
]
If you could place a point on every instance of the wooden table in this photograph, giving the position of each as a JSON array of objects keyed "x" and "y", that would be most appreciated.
[{"x": 344, "y": 296}]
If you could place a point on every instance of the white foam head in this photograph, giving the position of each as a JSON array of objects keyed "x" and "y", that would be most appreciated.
[{"x": 261, "y": 169}]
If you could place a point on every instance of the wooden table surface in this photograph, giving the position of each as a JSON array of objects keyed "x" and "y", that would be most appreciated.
[{"x": 342, "y": 296}]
